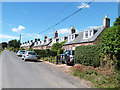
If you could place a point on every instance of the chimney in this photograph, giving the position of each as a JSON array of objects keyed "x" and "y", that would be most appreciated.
[
  {"x": 38, "y": 39},
  {"x": 72, "y": 30},
  {"x": 35, "y": 40},
  {"x": 31, "y": 40},
  {"x": 45, "y": 37},
  {"x": 106, "y": 22},
  {"x": 28, "y": 41},
  {"x": 55, "y": 34}
]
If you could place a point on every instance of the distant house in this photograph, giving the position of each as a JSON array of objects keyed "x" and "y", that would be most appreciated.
[{"x": 87, "y": 37}]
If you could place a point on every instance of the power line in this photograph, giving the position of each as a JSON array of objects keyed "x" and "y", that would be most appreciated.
[{"x": 67, "y": 17}]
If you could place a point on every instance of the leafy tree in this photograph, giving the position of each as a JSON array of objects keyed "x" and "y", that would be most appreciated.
[
  {"x": 14, "y": 43},
  {"x": 60, "y": 51},
  {"x": 57, "y": 46},
  {"x": 110, "y": 41},
  {"x": 117, "y": 21},
  {"x": 4, "y": 45}
]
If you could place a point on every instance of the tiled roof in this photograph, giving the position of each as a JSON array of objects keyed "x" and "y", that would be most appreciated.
[
  {"x": 46, "y": 43},
  {"x": 80, "y": 39}
]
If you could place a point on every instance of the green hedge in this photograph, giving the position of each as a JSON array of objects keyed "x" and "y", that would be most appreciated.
[
  {"x": 45, "y": 53},
  {"x": 88, "y": 55}
]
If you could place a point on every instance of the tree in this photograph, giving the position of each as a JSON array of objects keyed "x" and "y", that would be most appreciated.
[
  {"x": 60, "y": 51},
  {"x": 14, "y": 43},
  {"x": 110, "y": 41},
  {"x": 57, "y": 46},
  {"x": 4, "y": 45},
  {"x": 117, "y": 21}
]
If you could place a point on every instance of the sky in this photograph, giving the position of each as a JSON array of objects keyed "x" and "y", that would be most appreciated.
[{"x": 31, "y": 18}]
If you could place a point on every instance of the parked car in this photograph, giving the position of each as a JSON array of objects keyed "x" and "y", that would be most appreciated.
[
  {"x": 68, "y": 57},
  {"x": 29, "y": 55},
  {"x": 20, "y": 52}
]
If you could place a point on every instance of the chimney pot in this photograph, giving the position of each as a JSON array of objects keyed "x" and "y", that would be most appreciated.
[
  {"x": 38, "y": 39},
  {"x": 45, "y": 37},
  {"x": 55, "y": 34},
  {"x": 72, "y": 29},
  {"x": 106, "y": 21},
  {"x": 35, "y": 40},
  {"x": 106, "y": 16}
]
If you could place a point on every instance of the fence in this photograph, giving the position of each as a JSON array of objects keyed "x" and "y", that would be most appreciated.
[{"x": 52, "y": 59}]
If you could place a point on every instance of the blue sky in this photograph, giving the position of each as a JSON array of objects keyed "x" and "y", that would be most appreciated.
[{"x": 31, "y": 18}]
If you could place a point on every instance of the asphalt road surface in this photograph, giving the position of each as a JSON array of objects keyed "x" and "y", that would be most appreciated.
[{"x": 19, "y": 74}]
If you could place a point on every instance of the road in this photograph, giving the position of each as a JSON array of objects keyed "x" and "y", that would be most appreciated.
[{"x": 19, "y": 74}]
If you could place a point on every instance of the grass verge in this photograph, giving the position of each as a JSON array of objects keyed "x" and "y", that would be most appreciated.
[{"x": 100, "y": 78}]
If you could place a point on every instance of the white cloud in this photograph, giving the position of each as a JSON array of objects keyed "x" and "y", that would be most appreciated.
[
  {"x": 84, "y": 5},
  {"x": 20, "y": 28},
  {"x": 14, "y": 29},
  {"x": 90, "y": 27},
  {"x": 29, "y": 35},
  {"x": 8, "y": 37},
  {"x": 64, "y": 31}
]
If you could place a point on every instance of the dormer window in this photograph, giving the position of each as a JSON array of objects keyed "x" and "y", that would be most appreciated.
[
  {"x": 86, "y": 34},
  {"x": 90, "y": 33},
  {"x": 72, "y": 36}
]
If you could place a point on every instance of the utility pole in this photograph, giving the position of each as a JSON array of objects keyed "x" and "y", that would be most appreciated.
[{"x": 20, "y": 39}]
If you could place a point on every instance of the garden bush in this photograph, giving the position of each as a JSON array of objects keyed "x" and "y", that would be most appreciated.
[
  {"x": 60, "y": 51},
  {"x": 45, "y": 53},
  {"x": 88, "y": 55}
]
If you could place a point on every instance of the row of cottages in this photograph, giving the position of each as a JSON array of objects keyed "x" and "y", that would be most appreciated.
[
  {"x": 47, "y": 43},
  {"x": 86, "y": 37}
]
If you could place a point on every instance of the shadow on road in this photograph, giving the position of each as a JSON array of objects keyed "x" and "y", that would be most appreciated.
[{"x": 33, "y": 61}]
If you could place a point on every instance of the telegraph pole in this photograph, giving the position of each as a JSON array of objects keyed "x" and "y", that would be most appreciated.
[{"x": 20, "y": 39}]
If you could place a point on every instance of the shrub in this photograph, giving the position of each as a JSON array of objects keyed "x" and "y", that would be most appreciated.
[
  {"x": 60, "y": 51},
  {"x": 45, "y": 53},
  {"x": 88, "y": 55}
]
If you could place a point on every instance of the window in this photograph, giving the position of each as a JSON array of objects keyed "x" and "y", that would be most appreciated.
[
  {"x": 32, "y": 53},
  {"x": 72, "y": 52},
  {"x": 68, "y": 47},
  {"x": 86, "y": 34},
  {"x": 72, "y": 36},
  {"x": 90, "y": 33},
  {"x": 73, "y": 45}
]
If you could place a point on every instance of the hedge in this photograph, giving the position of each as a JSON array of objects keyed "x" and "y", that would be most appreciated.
[
  {"x": 45, "y": 53},
  {"x": 88, "y": 55}
]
